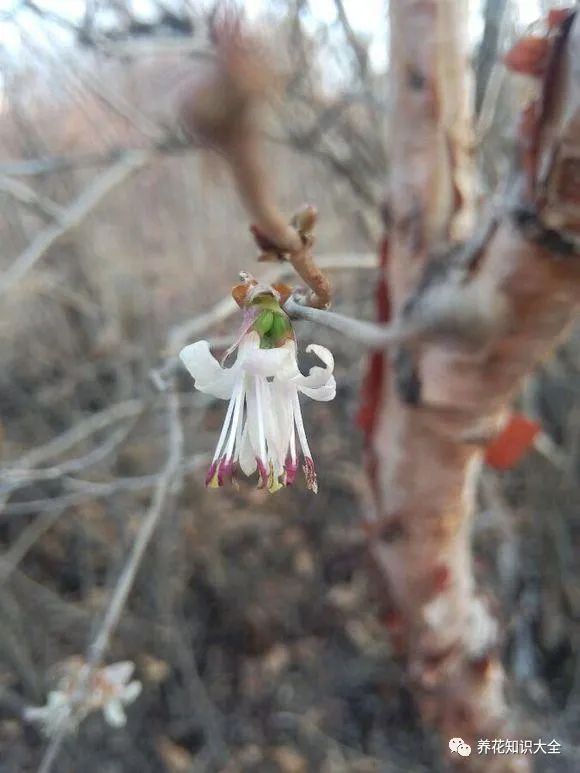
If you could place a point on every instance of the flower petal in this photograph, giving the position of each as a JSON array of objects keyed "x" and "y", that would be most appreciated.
[
  {"x": 209, "y": 376},
  {"x": 131, "y": 692},
  {"x": 322, "y": 393},
  {"x": 119, "y": 673},
  {"x": 275, "y": 436},
  {"x": 247, "y": 457},
  {"x": 289, "y": 368},
  {"x": 114, "y": 713},
  {"x": 263, "y": 362},
  {"x": 251, "y": 434},
  {"x": 282, "y": 395},
  {"x": 317, "y": 376}
]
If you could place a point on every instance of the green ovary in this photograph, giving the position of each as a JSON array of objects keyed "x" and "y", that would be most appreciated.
[{"x": 273, "y": 328}]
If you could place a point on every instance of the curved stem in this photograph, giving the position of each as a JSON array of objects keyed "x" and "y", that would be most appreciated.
[{"x": 371, "y": 334}]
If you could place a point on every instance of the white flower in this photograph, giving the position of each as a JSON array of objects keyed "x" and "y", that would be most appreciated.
[
  {"x": 263, "y": 416},
  {"x": 113, "y": 690},
  {"x": 56, "y": 712},
  {"x": 109, "y": 689}
]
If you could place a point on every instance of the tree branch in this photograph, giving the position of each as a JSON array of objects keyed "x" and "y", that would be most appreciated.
[
  {"x": 73, "y": 215},
  {"x": 35, "y": 201},
  {"x": 164, "y": 491},
  {"x": 221, "y": 110}
]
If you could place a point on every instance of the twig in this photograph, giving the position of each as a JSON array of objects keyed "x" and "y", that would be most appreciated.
[
  {"x": 358, "y": 48},
  {"x": 12, "y": 557},
  {"x": 118, "y": 104},
  {"x": 162, "y": 493},
  {"x": 487, "y": 99},
  {"x": 17, "y": 478},
  {"x": 73, "y": 215},
  {"x": 81, "y": 431},
  {"x": 154, "y": 47},
  {"x": 100, "y": 644},
  {"x": 30, "y": 198},
  {"x": 84, "y": 488},
  {"x": 221, "y": 111},
  {"x": 32, "y": 167},
  {"x": 303, "y": 261},
  {"x": 545, "y": 446}
]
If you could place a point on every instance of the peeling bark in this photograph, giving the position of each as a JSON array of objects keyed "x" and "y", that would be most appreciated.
[{"x": 421, "y": 458}]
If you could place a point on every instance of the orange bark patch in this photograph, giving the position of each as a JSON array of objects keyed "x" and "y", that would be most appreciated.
[
  {"x": 529, "y": 56},
  {"x": 558, "y": 16},
  {"x": 441, "y": 578},
  {"x": 512, "y": 444},
  {"x": 376, "y": 372}
]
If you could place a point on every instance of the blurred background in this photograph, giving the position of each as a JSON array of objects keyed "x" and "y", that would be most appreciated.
[{"x": 252, "y": 624}]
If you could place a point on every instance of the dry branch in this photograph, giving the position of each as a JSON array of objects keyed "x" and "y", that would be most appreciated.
[
  {"x": 164, "y": 491},
  {"x": 83, "y": 489},
  {"x": 73, "y": 215},
  {"x": 45, "y": 165},
  {"x": 128, "y": 409},
  {"x": 10, "y": 559},
  {"x": 42, "y": 205}
]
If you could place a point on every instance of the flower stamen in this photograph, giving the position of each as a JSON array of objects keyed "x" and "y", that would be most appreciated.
[{"x": 308, "y": 467}]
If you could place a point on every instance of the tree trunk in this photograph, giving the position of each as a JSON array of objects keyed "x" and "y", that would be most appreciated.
[{"x": 437, "y": 397}]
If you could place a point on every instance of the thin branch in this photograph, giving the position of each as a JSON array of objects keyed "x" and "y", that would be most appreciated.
[
  {"x": 32, "y": 167},
  {"x": 17, "y": 478},
  {"x": 164, "y": 490},
  {"x": 118, "y": 104},
  {"x": 11, "y": 558},
  {"x": 30, "y": 198},
  {"x": 81, "y": 431},
  {"x": 221, "y": 110},
  {"x": 449, "y": 305},
  {"x": 96, "y": 652},
  {"x": 495, "y": 14},
  {"x": 358, "y": 48},
  {"x": 491, "y": 72},
  {"x": 73, "y": 215},
  {"x": 153, "y": 47},
  {"x": 371, "y": 334},
  {"x": 81, "y": 489}
]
